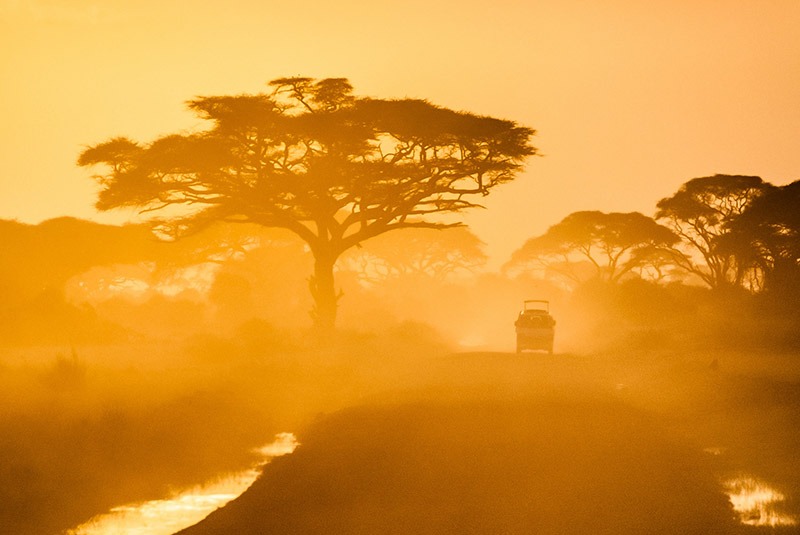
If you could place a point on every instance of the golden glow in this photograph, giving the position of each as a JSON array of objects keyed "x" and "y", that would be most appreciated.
[
  {"x": 198, "y": 278},
  {"x": 757, "y": 503},
  {"x": 472, "y": 340},
  {"x": 163, "y": 517},
  {"x": 139, "y": 281},
  {"x": 630, "y": 99}
]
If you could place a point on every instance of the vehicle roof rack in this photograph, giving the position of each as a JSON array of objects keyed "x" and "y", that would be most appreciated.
[{"x": 527, "y": 302}]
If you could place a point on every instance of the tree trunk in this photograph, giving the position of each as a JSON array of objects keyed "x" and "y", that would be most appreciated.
[{"x": 324, "y": 293}]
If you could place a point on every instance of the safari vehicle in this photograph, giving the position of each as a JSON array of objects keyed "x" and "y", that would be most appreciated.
[{"x": 535, "y": 326}]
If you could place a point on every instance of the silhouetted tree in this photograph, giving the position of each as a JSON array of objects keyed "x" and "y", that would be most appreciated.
[
  {"x": 37, "y": 262},
  {"x": 275, "y": 272},
  {"x": 215, "y": 243},
  {"x": 770, "y": 230},
  {"x": 44, "y": 256},
  {"x": 700, "y": 213},
  {"x": 657, "y": 263},
  {"x": 311, "y": 158},
  {"x": 437, "y": 254},
  {"x": 614, "y": 244}
]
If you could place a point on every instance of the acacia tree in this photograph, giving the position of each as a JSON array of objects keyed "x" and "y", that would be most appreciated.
[
  {"x": 614, "y": 244},
  {"x": 701, "y": 212},
  {"x": 770, "y": 230},
  {"x": 45, "y": 256},
  {"x": 431, "y": 253},
  {"x": 312, "y": 158}
]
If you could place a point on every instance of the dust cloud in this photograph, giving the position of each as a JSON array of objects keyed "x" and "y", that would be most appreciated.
[{"x": 131, "y": 367}]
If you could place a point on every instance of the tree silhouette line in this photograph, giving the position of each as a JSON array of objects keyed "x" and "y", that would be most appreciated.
[
  {"x": 73, "y": 280},
  {"x": 312, "y": 158},
  {"x": 341, "y": 172},
  {"x": 721, "y": 231}
]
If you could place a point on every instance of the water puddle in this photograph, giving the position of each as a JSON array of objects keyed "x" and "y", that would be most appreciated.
[
  {"x": 757, "y": 503},
  {"x": 164, "y": 517}
]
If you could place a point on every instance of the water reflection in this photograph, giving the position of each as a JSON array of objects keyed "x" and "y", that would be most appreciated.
[
  {"x": 164, "y": 517},
  {"x": 757, "y": 503}
]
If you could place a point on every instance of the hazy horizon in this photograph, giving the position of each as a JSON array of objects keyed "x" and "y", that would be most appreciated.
[
  {"x": 629, "y": 101},
  {"x": 611, "y": 346}
]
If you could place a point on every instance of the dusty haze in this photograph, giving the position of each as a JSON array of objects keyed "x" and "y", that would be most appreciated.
[
  {"x": 655, "y": 208},
  {"x": 630, "y": 100},
  {"x": 137, "y": 373}
]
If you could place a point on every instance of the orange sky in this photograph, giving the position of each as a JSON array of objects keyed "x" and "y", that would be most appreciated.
[{"x": 630, "y": 98}]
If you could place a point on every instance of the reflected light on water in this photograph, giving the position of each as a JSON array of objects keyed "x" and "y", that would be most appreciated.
[
  {"x": 757, "y": 503},
  {"x": 164, "y": 517}
]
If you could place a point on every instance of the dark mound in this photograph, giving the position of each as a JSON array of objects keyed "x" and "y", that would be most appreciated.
[{"x": 544, "y": 466}]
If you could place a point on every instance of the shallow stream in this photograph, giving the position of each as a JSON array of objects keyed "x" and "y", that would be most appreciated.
[{"x": 185, "y": 508}]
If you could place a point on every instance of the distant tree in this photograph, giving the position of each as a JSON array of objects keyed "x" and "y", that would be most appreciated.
[
  {"x": 275, "y": 272},
  {"x": 35, "y": 266},
  {"x": 700, "y": 212},
  {"x": 613, "y": 244},
  {"x": 44, "y": 256},
  {"x": 769, "y": 229},
  {"x": 310, "y": 157},
  {"x": 437, "y": 254},
  {"x": 217, "y": 243},
  {"x": 657, "y": 263}
]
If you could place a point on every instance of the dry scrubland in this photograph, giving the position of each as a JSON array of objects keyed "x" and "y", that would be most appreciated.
[{"x": 399, "y": 433}]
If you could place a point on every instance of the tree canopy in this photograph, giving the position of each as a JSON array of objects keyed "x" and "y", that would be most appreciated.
[
  {"x": 44, "y": 256},
  {"x": 700, "y": 212},
  {"x": 311, "y": 157},
  {"x": 614, "y": 244},
  {"x": 437, "y": 254},
  {"x": 769, "y": 229}
]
